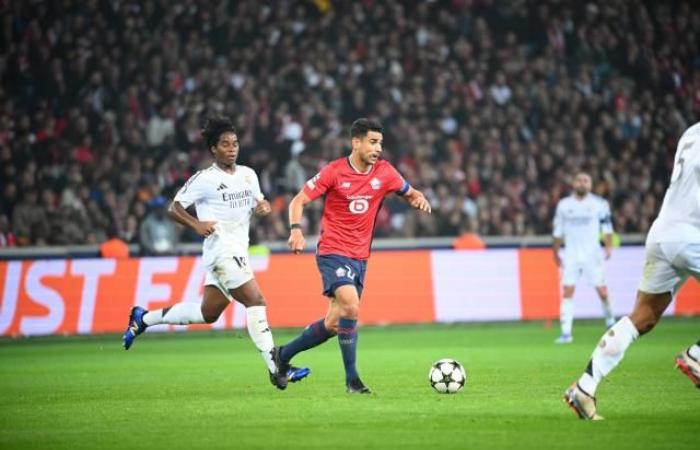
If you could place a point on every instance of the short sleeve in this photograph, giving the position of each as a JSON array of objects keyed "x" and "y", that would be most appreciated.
[
  {"x": 319, "y": 184},
  {"x": 606, "y": 226},
  {"x": 558, "y": 231},
  {"x": 192, "y": 191},
  {"x": 396, "y": 183}
]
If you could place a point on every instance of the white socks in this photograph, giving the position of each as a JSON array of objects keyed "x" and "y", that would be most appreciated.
[
  {"x": 608, "y": 354},
  {"x": 259, "y": 331},
  {"x": 183, "y": 313},
  {"x": 608, "y": 312},
  {"x": 566, "y": 316}
]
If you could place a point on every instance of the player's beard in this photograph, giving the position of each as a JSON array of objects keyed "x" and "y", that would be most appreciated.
[{"x": 581, "y": 192}]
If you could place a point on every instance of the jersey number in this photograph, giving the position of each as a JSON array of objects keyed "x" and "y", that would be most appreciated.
[
  {"x": 240, "y": 261},
  {"x": 678, "y": 168},
  {"x": 358, "y": 206}
]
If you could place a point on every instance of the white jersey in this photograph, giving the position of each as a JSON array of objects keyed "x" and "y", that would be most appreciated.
[
  {"x": 228, "y": 200},
  {"x": 679, "y": 218},
  {"x": 579, "y": 224}
]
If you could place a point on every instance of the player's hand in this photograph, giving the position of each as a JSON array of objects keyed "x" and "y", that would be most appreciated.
[
  {"x": 557, "y": 259},
  {"x": 296, "y": 241},
  {"x": 205, "y": 229},
  {"x": 263, "y": 208},
  {"x": 420, "y": 202},
  {"x": 607, "y": 251}
]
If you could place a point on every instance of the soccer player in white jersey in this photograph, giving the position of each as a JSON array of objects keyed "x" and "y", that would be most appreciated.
[
  {"x": 672, "y": 255},
  {"x": 225, "y": 196},
  {"x": 578, "y": 222}
]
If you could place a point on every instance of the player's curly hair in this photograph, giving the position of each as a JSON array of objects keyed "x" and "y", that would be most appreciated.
[{"x": 214, "y": 128}]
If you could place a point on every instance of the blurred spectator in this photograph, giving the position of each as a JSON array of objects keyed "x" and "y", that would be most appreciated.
[
  {"x": 7, "y": 237},
  {"x": 489, "y": 106},
  {"x": 294, "y": 173},
  {"x": 157, "y": 232},
  {"x": 29, "y": 219},
  {"x": 114, "y": 247}
]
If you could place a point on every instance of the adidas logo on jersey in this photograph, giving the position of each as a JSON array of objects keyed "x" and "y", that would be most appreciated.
[{"x": 222, "y": 186}]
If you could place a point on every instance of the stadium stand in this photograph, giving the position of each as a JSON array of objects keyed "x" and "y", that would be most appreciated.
[{"x": 489, "y": 106}]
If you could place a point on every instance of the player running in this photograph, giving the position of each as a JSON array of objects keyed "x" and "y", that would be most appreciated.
[
  {"x": 578, "y": 222},
  {"x": 355, "y": 187},
  {"x": 672, "y": 255},
  {"x": 225, "y": 196}
]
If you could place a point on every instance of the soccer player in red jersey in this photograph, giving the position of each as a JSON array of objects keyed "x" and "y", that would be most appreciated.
[{"x": 355, "y": 187}]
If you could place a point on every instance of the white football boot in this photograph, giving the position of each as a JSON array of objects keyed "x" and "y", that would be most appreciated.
[{"x": 583, "y": 404}]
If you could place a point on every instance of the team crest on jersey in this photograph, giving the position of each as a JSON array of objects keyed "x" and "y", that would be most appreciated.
[
  {"x": 340, "y": 272},
  {"x": 375, "y": 183}
]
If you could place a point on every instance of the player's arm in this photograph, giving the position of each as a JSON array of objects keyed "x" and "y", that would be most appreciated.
[
  {"x": 557, "y": 235},
  {"x": 607, "y": 229},
  {"x": 607, "y": 241},
  {"x": 296, "y": 240},
  {"x": 401, "y": 187},
  {"x": 262, "y": 206},
  {"x": 416, "y": 199},
  {"x": 180, "y": 215},
  {"x": 556, "y": 246}
]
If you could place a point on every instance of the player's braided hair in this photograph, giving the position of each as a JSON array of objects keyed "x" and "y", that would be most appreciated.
[{"x": 214, "y": 128}]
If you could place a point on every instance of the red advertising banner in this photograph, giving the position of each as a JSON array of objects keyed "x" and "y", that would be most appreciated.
[{"x": 83, "y": 296}]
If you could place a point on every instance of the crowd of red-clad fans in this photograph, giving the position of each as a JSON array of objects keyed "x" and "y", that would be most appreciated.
[{"x": 489, "y": 107}]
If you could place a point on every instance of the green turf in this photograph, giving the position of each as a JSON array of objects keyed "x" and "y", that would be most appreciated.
[{"x": 210, "y": 390}]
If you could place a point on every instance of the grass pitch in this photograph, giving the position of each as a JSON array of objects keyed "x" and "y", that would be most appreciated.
[{"x": 210, "y": 390}]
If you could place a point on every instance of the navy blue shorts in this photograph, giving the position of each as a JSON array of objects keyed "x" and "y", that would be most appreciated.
[{"x": 339, "y": 270}]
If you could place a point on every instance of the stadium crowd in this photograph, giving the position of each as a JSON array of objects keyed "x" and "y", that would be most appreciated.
[{"x": 489, "y": 107}]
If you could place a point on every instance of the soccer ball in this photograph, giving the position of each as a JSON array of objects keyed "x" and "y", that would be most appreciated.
[{"x": 447, "y": 376}]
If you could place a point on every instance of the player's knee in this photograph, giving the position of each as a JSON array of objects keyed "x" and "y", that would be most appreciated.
[
  {"x": 252, "y": 300},
  {"x": 331, "y": 326},
  {"x": 644, "y": 321},
  {"x": 256, "y": 300},
  {"x": 647, "y": 325},
  {"x": 350, "y": 311}
]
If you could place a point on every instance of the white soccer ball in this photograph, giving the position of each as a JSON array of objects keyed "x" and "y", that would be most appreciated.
[{"x": 447, "y": 376}]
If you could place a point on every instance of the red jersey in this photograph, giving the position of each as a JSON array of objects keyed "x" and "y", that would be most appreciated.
[{"x": 352, "y": 202}]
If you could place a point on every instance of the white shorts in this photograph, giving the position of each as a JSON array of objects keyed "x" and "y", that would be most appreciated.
[
  {"x": 668, "y": 265},
  {"x": 229, "y": 273},
  {"x": 592, "y": 270}
]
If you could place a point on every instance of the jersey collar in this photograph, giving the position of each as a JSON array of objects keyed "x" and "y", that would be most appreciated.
[
  {"x": 371, "y": 168},
  {"x": 216, "y": 167}
]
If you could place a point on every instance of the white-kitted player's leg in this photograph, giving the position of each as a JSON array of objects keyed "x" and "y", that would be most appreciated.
[
  {"x": 688, "y": 361},
  {"x": 189, "y": 313},
  {"x": 595, "y": 273},
  {"x": 236, "y": 275},
  {"x": 183, "y": 313},
  {"x": 660, "y": 278},
  {"x": 571, "y": 272}
]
